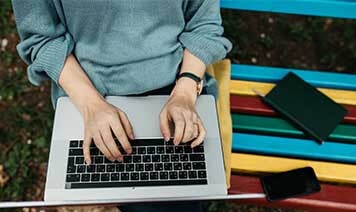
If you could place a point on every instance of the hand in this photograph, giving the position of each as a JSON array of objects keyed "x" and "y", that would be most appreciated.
[
  {"x": 180, "y": 111},
  {"x": 100, "y": 120}
]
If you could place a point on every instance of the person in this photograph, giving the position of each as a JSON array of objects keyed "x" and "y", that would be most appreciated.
[{"x": 91, "y": 49}]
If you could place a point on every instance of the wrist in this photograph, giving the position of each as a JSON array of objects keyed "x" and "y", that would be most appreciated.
[{"x": 186, "y": 87}]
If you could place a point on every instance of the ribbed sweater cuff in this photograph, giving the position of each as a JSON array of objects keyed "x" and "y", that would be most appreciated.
[
  {"x": 50, "y": 60},
  {"x": 202, "y": 47}
]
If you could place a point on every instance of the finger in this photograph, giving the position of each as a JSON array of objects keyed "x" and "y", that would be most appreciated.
[
  {"x": 126, "y": 124},
  {"x": 102, "y": 147},
  {"x": 196, "y": 130},
  {"x": 201, "y": 136},
  {"x": 110, "y": 144},
  {"x": 164, "y": 125},
  {"x": 121, "y": 136},
  {"x": 179, "y": 126},
  {"x": 86, "y": 148},
  {"x": 188, "y": 130}
]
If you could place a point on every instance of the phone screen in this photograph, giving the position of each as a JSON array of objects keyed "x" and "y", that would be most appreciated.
[{"x": 290, "y": 184}]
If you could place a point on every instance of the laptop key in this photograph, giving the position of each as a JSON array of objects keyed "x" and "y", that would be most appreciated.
[
  {"x": 174, "y": 158},
  {"x": 130, "y": 167},
  {"x": 178, "y": 149},
  {"x": 173, "y": 175},
  {"x": 125, "y": 176},
  {"x": 95, "y": 177},
  {"x": 198, "y": 149},
  {"x": 151, "y": 150},
  {"x": 158, "y": 166},
  {"x": 85, "y": 178},
  {"x": 115, "y": 176},
  {"x": 110, "y": 168},
  {"x": 104, "y": 177},
  {"x": 141, "y": 150},
  {"x": 73, "y": 143},
  {"x": 144, "y": 176},
  {"x": 71, "y": 161},
  {"x": 168, "y": 166},
  {"x": 183, "y": 175},
  {"x": 187, "y": 149},
  {"x": 135, "y": 176},
  {"x": 153, "y": 175},
  {"x": 177, "y": 166},
  {"x": 159, "y": 149},
  {"x": 73, "y": 178},
  {"x": 79, "y": 160},
  {"x": 199, "y": 165},
  {"x": 75, "y": 152},
  {"x": 81, "y": 169},
  {"x": 187, "y": 166},
  {"x": 196, "y": 157},
  {"x": 165, "y": 158},
  {"x": 146, "y": 158},
  {"x": 139, "y": 167},
  {"x": 202, "y": 174},
  {"x": 169, "y": 149},
  {"x": 107, "y": 161},
  {"x": 71, "y": 169},
  {"x": 91, "y": 168},
  {"x": 192, "y": 174},
  {"x": 137, "y": 158},
  {"x": 80, "y": 143},
  {"x": 120, "y": 167},
  {"x": 98, "y": 159},
  {"x": 148, "y": 167},
  {"x": 94, "y": 151},
  {"x": 183, "y": 157},
  {"x": 156, "y": 158},
  {"x": 100, "y": 168},
  {"x": 163, "y": 175},
  {"x": 127, "y": 158}
]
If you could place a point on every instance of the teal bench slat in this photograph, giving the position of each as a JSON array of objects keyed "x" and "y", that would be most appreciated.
[
  {"x": 316, "y": 78},
  {"x": 294, "y": 147},
  {"x": 327, "y": 8}
]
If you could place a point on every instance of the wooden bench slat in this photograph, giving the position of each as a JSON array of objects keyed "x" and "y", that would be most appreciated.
[
  {"x": 255, "y": 106},
  {"x": 242, "y": 87},
  {"x": 294, "y": 147},
  {"x": 328, "y": 8},
  {"x": 330, "y": 198},
  {"x": 326, "y": 171},
  {"x": 280, "y": 127},
  {"x": 272, "y": 74}
]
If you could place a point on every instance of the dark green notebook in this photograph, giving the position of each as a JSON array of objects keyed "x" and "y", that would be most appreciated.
[{"x": 304, "y": 106}]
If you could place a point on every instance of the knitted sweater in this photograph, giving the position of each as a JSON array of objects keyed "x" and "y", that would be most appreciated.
[{"x": 124, "y": 46}]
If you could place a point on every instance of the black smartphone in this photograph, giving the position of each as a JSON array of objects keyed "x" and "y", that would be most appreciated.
[{"x": 290, "y": 184}]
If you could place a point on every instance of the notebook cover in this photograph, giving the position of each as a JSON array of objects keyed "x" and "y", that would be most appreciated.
[
  {"x": 306, "y": 107},
  {"x": 255, "y": 106}
]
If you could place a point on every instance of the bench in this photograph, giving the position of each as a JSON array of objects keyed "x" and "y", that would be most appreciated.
[{"x": 337, "y": 171}]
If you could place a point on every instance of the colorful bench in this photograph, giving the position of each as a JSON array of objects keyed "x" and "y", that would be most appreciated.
[{"x": 259, "y": 149}]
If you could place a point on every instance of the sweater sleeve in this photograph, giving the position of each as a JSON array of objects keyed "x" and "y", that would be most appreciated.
[
  {"x": 202, "y": 35},
  {"x": 45, "y": 42}
]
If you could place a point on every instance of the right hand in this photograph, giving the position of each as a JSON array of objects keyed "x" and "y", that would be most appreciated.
[{"x": 100, "y": 120}]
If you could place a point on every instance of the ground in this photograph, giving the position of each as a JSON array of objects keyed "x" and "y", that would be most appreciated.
[{"x": 259, "y": 38}]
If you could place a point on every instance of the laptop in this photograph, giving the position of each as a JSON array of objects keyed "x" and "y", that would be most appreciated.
[{"x": 155, "y": 170}]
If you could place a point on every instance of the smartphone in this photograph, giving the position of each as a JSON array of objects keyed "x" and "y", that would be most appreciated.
[{"x": 291, "y": 183}]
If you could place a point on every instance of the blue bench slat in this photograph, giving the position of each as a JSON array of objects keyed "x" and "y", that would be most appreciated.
[
  {"x": 271, "y": 74},
  {"x": 293, "y": 147},
  {"x": 328, "y": 8}
]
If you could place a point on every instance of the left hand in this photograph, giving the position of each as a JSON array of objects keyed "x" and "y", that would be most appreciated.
[{"x": 180, "y": 111}]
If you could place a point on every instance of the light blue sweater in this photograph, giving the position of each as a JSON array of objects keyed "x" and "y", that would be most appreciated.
[{"x": 124, "y": 46}]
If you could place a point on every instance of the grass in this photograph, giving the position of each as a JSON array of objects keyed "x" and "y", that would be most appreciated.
[{"x": 271, "y": 39}]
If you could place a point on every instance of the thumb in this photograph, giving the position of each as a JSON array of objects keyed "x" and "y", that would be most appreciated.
[{"x": 164, "y": 125}]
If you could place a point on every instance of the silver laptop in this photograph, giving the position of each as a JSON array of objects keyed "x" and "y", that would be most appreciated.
[{"x": 154, "y": 170}]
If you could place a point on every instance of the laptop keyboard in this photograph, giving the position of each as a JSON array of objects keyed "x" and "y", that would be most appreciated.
[{"x": 153, "y": 162}]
